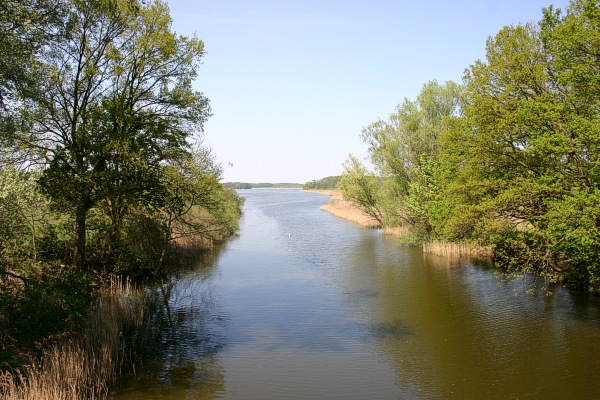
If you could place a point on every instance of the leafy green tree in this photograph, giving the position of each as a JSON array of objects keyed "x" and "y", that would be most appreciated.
[
  {"x": 571, "y": 224},
  {"x": 25, "y": 26},
  {"x": 329, "y": 182},
  {"x": 510, "y": 159},
  {"x": 23, "y": 211},
  {"x": 115, "y": 105},
  {"x": 361, "y": 187},
  {"x": 404, "y": 151},
  {"x": 528, "y": 147},
  {"x": 196, "y": 206},
  {"x": 494, "y": 145},
  {"x": 38, "y": 296},
  {"x": 509, "y": 149}
]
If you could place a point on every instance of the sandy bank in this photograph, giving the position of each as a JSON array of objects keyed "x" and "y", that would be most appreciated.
[{"x": 346, "y": 210}]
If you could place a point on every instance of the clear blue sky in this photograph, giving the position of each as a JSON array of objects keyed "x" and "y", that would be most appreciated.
[{"x": 293, "y": 82}]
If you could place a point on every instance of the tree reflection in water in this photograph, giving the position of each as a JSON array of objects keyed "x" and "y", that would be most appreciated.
[{"x": 177, "y": 348}]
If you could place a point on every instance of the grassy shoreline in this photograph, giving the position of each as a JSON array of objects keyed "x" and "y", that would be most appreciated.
[{"x": 344, "y": 209}]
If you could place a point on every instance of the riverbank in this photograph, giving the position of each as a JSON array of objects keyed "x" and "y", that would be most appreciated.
[
  {"x": 83, "y": 365},
  {"x": 344, "y": 209}
]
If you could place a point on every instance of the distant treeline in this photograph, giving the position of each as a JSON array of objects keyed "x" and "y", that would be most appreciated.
[
  {"x": 326, "y": 183},
  {"x": 246, "y": 185}
]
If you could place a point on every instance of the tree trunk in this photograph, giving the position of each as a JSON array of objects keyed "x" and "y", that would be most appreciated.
[
  {"x": 80, "y": 220},
  {"x": 116, "y": 209},
  {"x": 166, "y": 241}
]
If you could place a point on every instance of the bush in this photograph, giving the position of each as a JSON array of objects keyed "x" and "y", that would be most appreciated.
[{"x": 47, "y": 302}]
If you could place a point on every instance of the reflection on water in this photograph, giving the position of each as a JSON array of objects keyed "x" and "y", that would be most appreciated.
[
  {"x": 303, "y": 305},
  {"x": 179, "y": 344}
]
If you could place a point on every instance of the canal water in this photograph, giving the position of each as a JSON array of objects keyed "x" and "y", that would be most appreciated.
[{"x": 303, "y": 305}]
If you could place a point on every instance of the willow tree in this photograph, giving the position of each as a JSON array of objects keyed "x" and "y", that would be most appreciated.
[
  {"x": 196, "y": 209},
  {"x": 361, "y": 187},
  {"x": 116, "y": 103},
  {"x": 404, "y": 150}
]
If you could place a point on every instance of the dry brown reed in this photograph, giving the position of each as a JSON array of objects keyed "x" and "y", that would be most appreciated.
[
  {"x": 85, "y": 365},
  {"x": 346, "y": 210},
  {"x": 335, "y": 194},
  {"x": 397, "y": 231},
  {"x": 455, "y": 249},
  {"x": 194, "y": 242}
]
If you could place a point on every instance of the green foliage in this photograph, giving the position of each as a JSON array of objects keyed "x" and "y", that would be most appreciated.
[
  {"x": 98, "y": 95},
  {"x": 115, "y": 104},
  {"x": 111, "y": 122},
  {"x": 511, "y": 159},
  {"x": 40, "y": 297},
  {"x": 404, "y": 151},
  {"x": 361, "y": 188},
  {"x": 56, "y": 242},
  {"x": 247, "y": 185},
  {"x": 139, "y": 250},
  {"x": 23, "y": 211},
  {"x": 573, "y": 235},
  {"x": 25, "y": 26},
  {"x": 195, "y": 205},
  {"x": 529, "y": 146},
  {"x": 48, "y": 301},
  {"x": 238, "y": 185},
  {"x": 327, "y": 183}
]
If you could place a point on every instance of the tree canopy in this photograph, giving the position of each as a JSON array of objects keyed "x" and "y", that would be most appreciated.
[
  {"x": 97, "y": 99},
  {"x": 508, "y": 159}
]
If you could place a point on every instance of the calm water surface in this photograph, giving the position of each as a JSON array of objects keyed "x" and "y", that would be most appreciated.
[{"x": 303, "y": 305}]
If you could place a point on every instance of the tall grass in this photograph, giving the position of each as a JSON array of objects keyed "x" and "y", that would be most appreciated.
[
  {"x": 400, "y": 232},
  {"x": 334, "y": 194},
  {"x": 83, "y": 366},
  {"x": 455, "y": 249}
]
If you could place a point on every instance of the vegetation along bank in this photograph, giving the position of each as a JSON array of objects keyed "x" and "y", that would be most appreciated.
[
  {"x": 508, "y": 159},
  {"x": 103, "y": 172}
]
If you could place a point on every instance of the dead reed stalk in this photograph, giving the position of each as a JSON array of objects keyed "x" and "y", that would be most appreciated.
[
  {"x": 397, "y": 231},
  {"x": 84, "y": 366},
  {"x": 334, "y": 194},
  {"x": 455, "y": 249}
]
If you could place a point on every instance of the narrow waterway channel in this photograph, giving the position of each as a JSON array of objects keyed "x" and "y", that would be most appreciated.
[{"x": 303, "y": 305}]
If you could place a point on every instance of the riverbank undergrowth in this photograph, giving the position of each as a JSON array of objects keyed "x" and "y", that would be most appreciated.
[{"x": 86, "y": 364}]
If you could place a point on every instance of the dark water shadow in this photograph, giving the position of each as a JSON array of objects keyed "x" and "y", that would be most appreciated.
[
  {"x": 394, "y": 330},
  {"x": 177, "y": 348}
]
